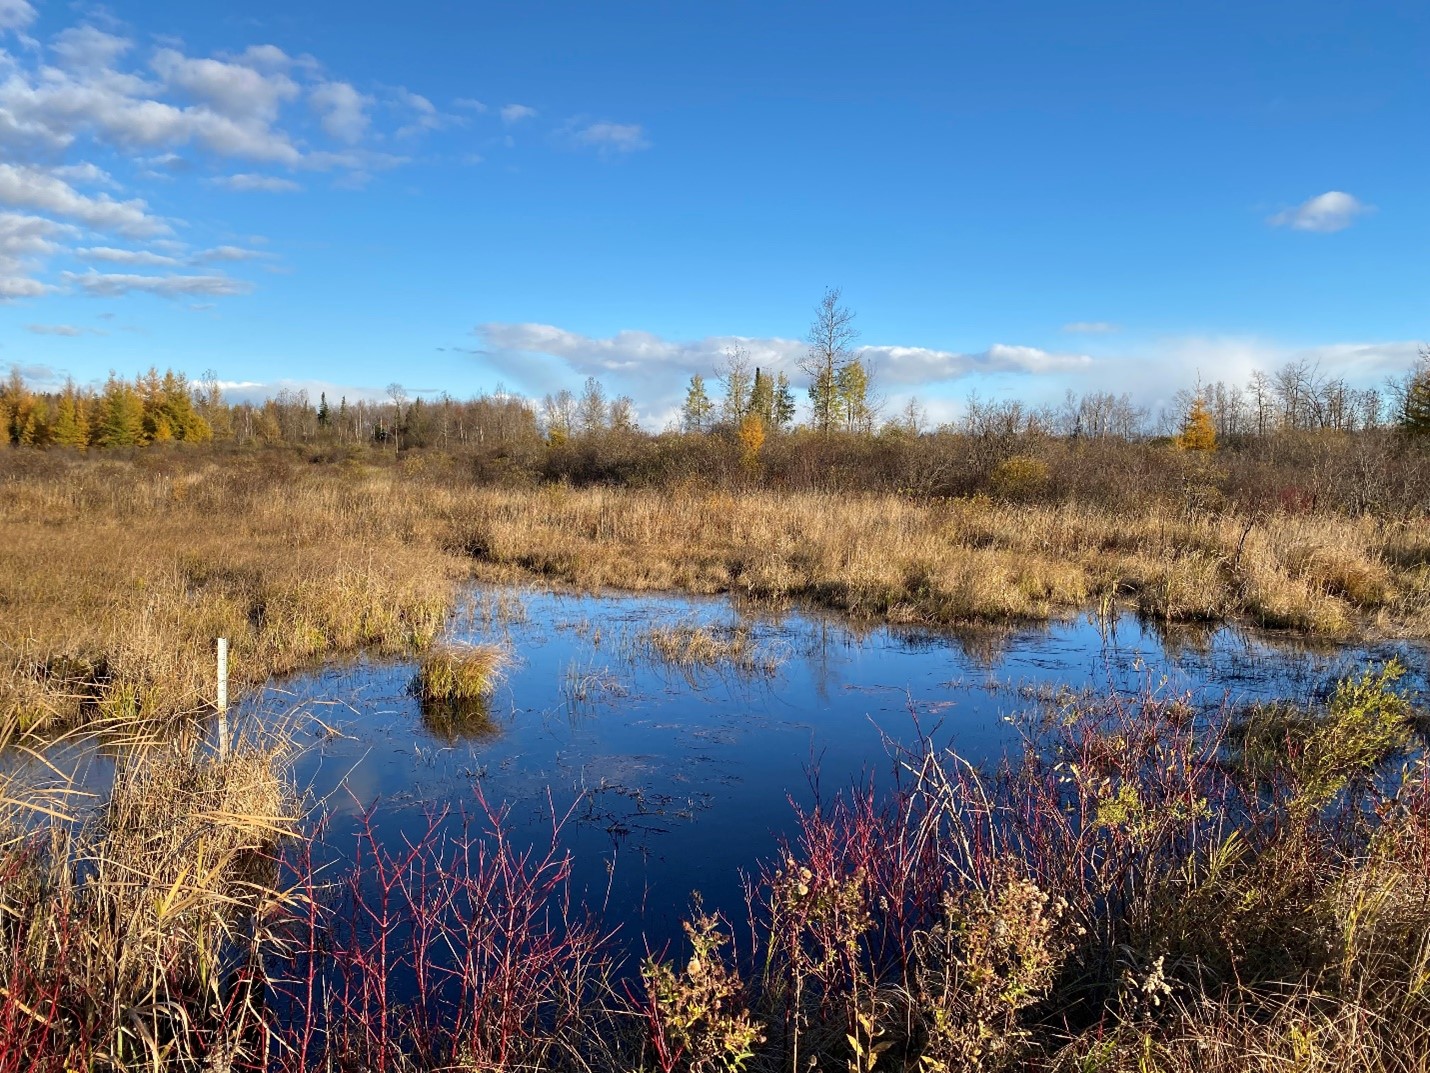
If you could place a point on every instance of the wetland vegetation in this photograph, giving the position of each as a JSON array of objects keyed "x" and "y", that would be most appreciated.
[{"x": 1135, "y": 875}]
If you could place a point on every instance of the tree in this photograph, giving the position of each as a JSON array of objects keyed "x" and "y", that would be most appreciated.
[
  {"x": 1198, "y": 430},
  {"x": 851, "y": 384},
  {"x": 831, "y": 337},
  {"x": 734, "y": 373},
  {"x": 70, "y": 428},
  {"x": 121, "y": 415},
  {"x": 1415, "y": 410},
  {"x": 592, "y": 413},
  {"x": 695, "y": 413},
  {"x": 751, "y": 435},
  {"x": 783, "y": 407},
  {"x": 325, "y": 417},
  {"x": 762, "y": 397}
]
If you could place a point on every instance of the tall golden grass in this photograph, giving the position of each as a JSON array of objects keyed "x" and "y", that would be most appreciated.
[
  {"x": 131, "y": 926},
  {"x": 116, "y": 575}
]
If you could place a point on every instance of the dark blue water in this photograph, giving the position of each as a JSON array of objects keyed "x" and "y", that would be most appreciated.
[{"x": 681, "y": 780}]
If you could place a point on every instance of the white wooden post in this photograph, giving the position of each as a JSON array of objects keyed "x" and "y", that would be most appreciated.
[{"x": 221, "y": 702}]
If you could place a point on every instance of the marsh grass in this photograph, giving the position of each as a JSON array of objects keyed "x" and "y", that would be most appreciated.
[
  {"x": 694, "y": 645},
  {"x": 116, "y": 574},
  {"x": 129, "y": 927},
  {"x": 452, "y": 671}
]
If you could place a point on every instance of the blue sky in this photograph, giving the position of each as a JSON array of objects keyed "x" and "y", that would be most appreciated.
[{"x": 1016, "y": 198}]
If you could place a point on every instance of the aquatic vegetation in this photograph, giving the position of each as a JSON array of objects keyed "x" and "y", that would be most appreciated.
[
  {"x": 692, "y": 645},
  {"x": 117, "y": 574},
  {"x": 1125, "y": 892},
  {"x": 458, "y": 672}
]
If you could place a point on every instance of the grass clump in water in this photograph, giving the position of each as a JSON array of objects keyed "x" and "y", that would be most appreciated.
[
  {"x": 458, "y": 672},
  {"x": 692, "y": 646}
]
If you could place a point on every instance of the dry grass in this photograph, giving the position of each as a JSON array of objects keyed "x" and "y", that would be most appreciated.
[
  {"x": 129, "y": 928},
  {"x": 690, "y": 646},
  {"x": 452, "y": 671},
  {"x": 115, "y": 576}
]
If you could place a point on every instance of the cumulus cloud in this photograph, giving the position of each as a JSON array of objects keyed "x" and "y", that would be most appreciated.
[
  {"x": 24, "y": 240},
  {"x": 1334, "y": 210},
  {"x": 26, "y": 187},
  {"x": 611, "y": 137},
  {"x": 644, "y": 355},
  {"x": 248, "y": 182},
  {"x": 236, "y": 90},
  {"x": 113, "y": 285},
  {"x": 15, "y": 14},
  {"x": 515, "y": 113},
  {"x": 342, "y": 110}
]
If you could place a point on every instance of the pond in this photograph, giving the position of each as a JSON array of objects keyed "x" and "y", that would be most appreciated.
[
  {"x": 674, "y": 778},
  {"x": 682, "y": 778}
]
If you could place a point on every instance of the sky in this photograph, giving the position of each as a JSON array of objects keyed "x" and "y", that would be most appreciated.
[{"x": 1015, "y": 198}]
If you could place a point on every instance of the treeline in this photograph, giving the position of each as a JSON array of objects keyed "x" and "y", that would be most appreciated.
[{"x": 1289, "y": 439}]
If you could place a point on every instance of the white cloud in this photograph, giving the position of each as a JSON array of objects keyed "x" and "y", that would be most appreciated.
[
  {"x": 611, "y": 137},
  {"x": 1090, "y": 327},
  {"x": 15, "y": 14},
  {"x": 1334, "y": 210},
  {"x": 342, "y": 110},
  {"x": 87, "y": 48},
  {"x": 24, "y": 240},
  {"x": 515, "y": 113},
  {"x": 68, "y": 330},
  {"x": 26, "y": 187},
  {"x": 228, "y": 253},
  {"x": 84, "y": 173},
  {"x": 424, "y": 115},
  {"x": 112, "y": 255},
  {"x": 470, "y": 104},
  {"x": 643, "y": 354},
  {"x": 112, "y": 285},
  {"x": 247, "y": 182},
  {"x": 235, "y": 90}
]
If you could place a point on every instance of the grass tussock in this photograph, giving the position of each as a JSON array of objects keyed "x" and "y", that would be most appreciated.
[
  {"x": 693, "y": 646},
  {"x": 116, "y": 575},
  {"x": 458, "y": 672}
]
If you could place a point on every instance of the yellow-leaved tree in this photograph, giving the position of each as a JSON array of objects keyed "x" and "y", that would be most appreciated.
[{"x": 1198, "y": 432}]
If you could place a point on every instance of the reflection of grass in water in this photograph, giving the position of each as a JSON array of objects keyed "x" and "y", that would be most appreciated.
[
  {"x": 691, "y": 645},
  {"x": 459, "y": 719}
]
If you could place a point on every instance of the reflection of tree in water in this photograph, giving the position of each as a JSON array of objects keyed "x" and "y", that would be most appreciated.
[{"x": 459, "y": 720}]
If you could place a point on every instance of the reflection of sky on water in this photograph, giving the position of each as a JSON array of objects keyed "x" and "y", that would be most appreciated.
[{"x": 684, "y": 778}]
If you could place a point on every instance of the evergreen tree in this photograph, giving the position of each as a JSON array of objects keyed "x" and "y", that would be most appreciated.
[
  {"x": 762, "y": 397},
  {"x": 69, "y": 428},
  {"x": 1415, "y": 419},
  {"x": 783, "y": 407},
  {"x": 695, "y": 413},
  {"x": 325, "y": 418},
  {"x": 121, "y": 415}
]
